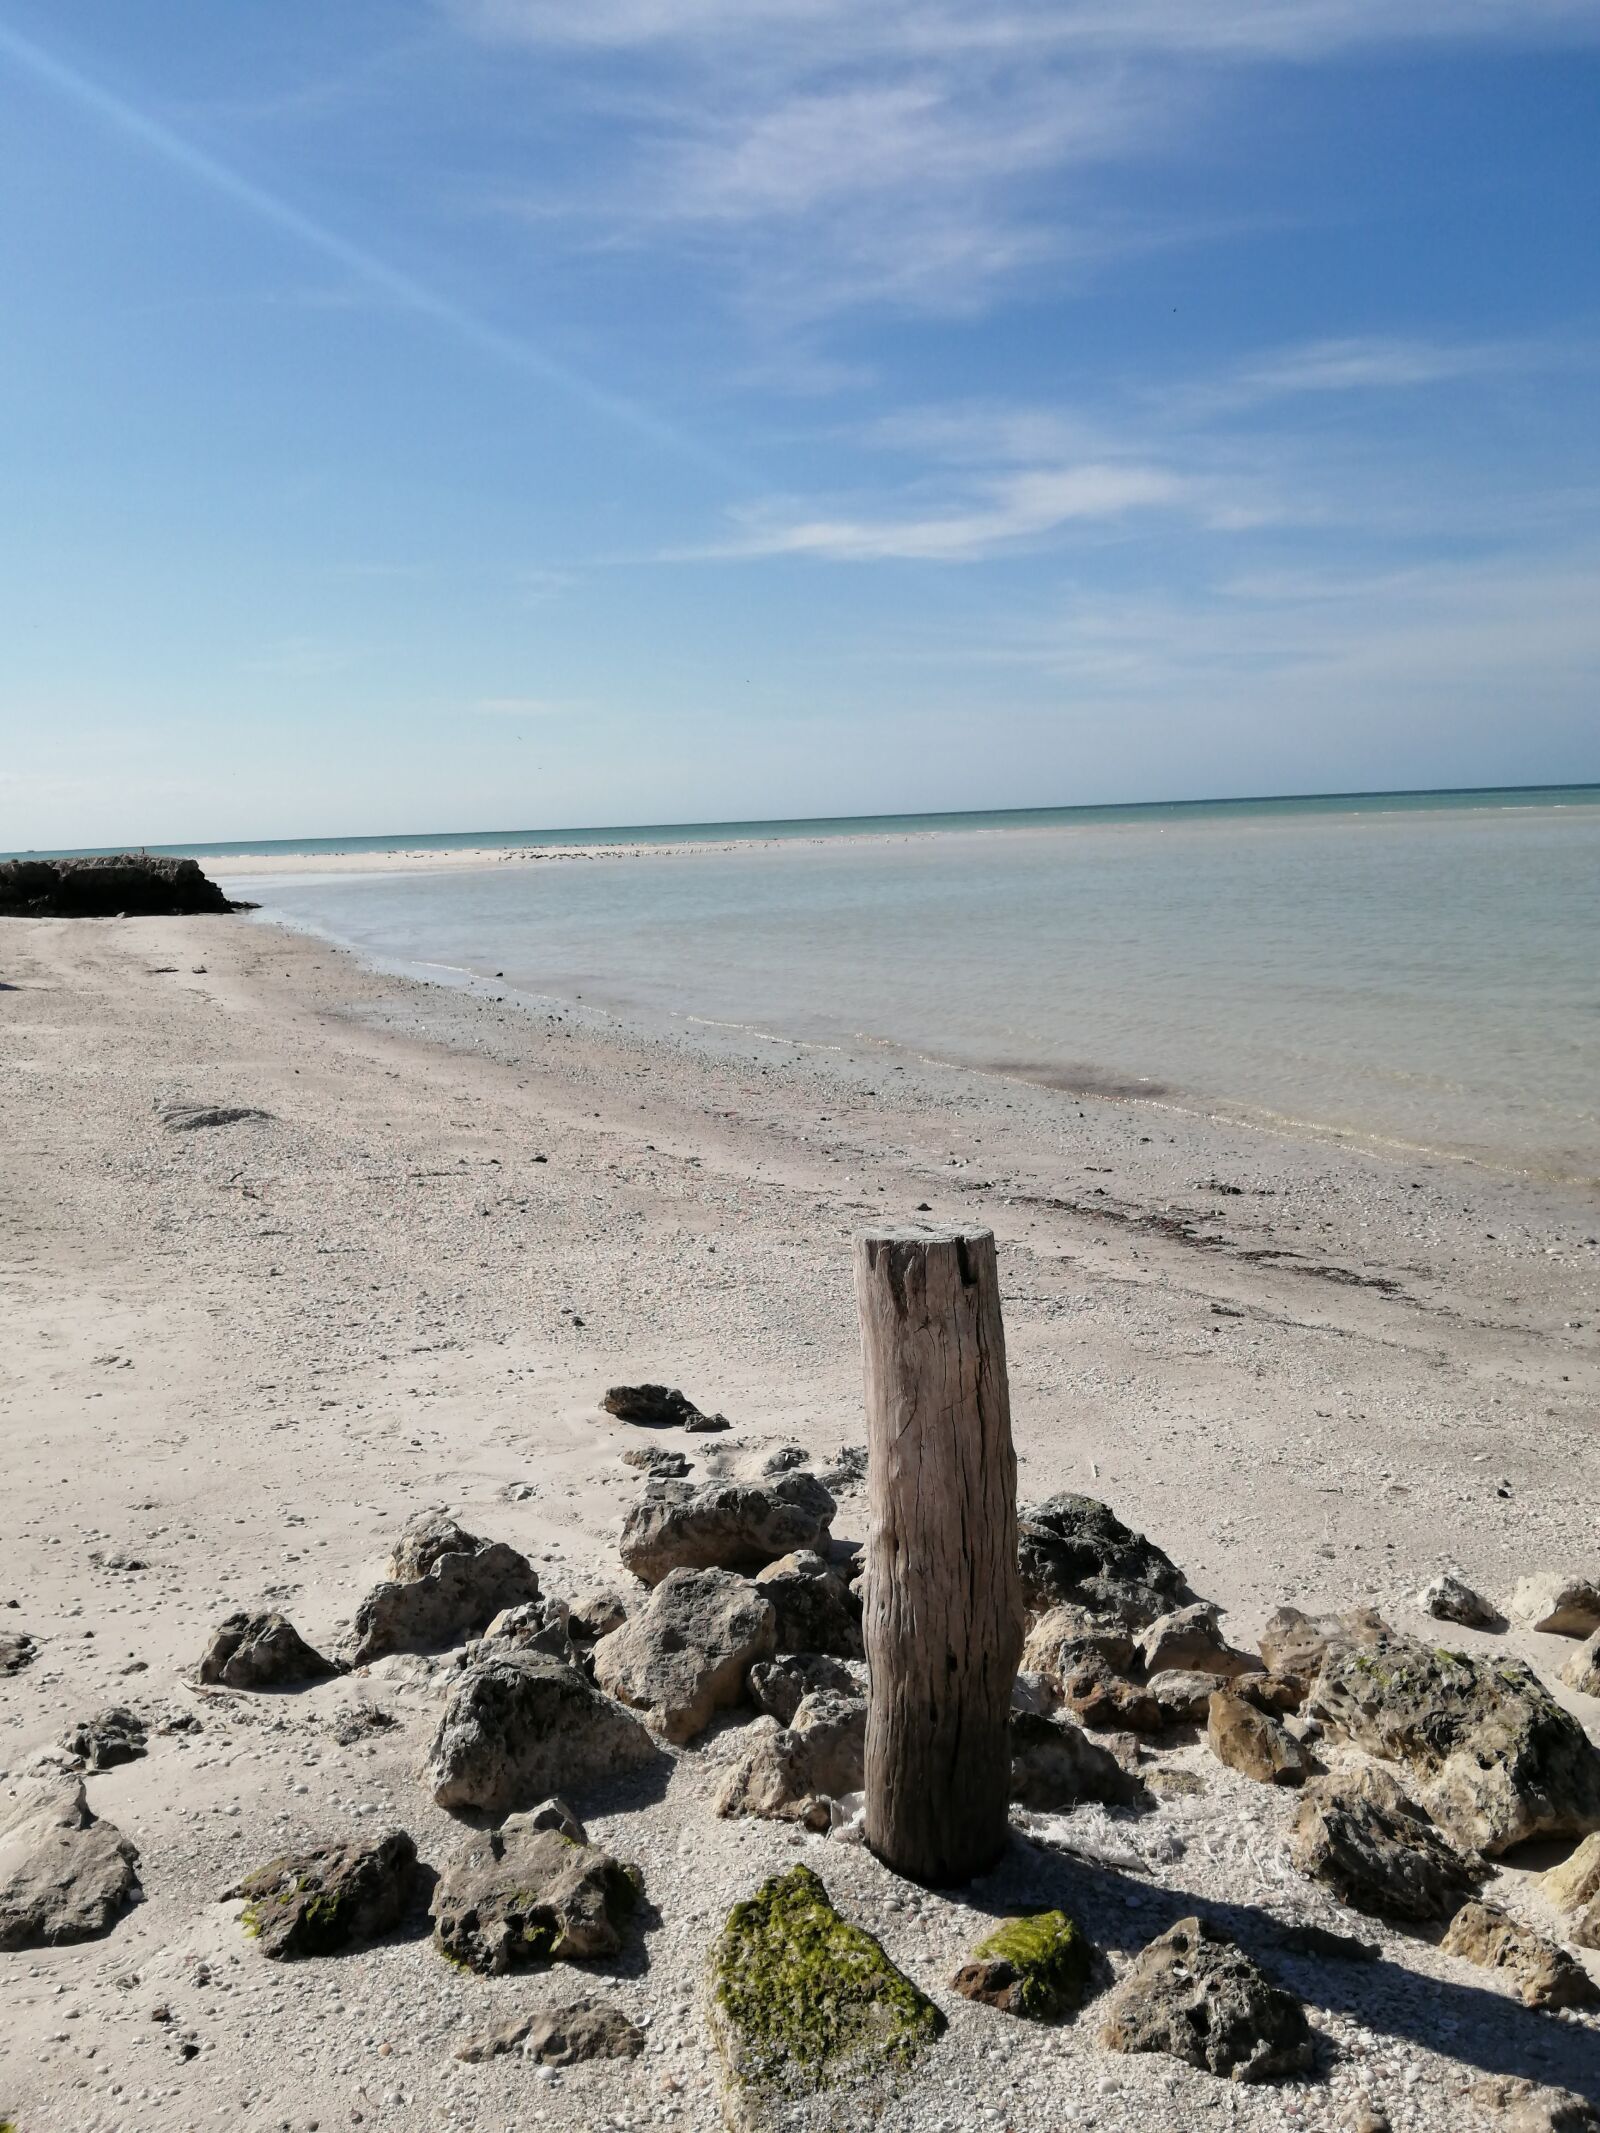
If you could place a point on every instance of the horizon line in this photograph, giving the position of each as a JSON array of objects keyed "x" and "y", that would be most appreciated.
[{"x": 344, "y": 840}]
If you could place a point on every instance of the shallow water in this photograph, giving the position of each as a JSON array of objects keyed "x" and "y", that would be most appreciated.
[{"x": 1421, "y": 976}]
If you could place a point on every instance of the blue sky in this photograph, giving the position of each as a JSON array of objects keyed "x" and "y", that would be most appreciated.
[{"x": 437, "y": 414}]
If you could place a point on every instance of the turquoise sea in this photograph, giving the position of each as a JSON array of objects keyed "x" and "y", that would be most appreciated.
[
  {"x": 802, "y": 826},
  {"x": 1414, "y": 970}
]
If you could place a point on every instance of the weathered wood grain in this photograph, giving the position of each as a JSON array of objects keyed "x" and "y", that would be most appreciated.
[{"x": 943, "y": 1622}]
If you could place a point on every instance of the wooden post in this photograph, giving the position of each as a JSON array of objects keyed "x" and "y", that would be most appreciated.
[{"x": 943, "y": 1622}]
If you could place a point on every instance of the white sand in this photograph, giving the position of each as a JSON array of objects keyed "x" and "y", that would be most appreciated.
[{"x": 245, "y": 1355}]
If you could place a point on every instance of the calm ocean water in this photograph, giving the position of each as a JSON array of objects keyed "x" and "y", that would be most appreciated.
[{"x": 1423, "y": 972}]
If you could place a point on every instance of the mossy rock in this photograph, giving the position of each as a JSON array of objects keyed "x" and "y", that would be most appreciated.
[
  {"x": 327, "y": 1898},
  {"x": 803, "y": 2003},
  {"x": 1036, "y": 1966}
]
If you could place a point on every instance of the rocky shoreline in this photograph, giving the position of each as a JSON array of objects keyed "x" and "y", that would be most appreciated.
[{"x": 560, "y": 1827}]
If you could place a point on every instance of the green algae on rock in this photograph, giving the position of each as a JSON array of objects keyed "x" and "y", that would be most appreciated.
[
  {"x": 803, "y": 2002},
  {"x": 318, "y": 1901},
  {"x": 1036, "y": 1966}
]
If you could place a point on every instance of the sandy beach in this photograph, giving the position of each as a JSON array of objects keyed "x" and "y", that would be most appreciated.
[{"x": 236, "y": 1360}]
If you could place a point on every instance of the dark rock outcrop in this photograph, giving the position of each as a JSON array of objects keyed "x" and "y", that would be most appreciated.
[
  {"x": 1494, "y": 1757},
  {"x": 659, "y": 1407},
  {"x": 64, "y": 1875},
  {"x": 524, "y": 1894},
  {"x": 1073, "y": 1550},
  {"x": 778, "y": 1686},
  {"x": 331, "y": 1896},
  {"x": 816, "y": 1610},
  {"x": 109, "y": 1738},
  {"x": 1196, "y": 1995},
  {"x": 520, "y": 1726},
  {"x": 262, "y": 1651},
  {"x": 1362, "y": 1836},
  {"x": 138, "y": 884},
  {"x": 444, "y": 1584}
]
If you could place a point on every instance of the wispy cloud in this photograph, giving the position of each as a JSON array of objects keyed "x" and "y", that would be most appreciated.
[
  {"x": 899, "y": 149},
  {"x": 1261, "y": 28},
  {"x": 1376, "y": 364},
  {"x": 1000, "y": 514}
]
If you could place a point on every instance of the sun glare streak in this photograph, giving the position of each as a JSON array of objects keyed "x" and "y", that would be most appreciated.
[{"x": 161, "y": 142}]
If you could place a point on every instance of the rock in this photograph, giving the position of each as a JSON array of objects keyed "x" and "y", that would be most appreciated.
[
  {"x": 1520, "y": 2107},
  {"x": 848, "y": 1470},
  {"x": 816, "y": 1610},
  {"x": 1276, "y": 1693},
  {"x": 358, "y": 1721},
  {"x": 1450, "y": 1599},
  {"x": 1496, "y": 1758},
  {"x": 180, "y": 1114},
  {"x": 1073, "y": 1549},
  {"x": 1553, "y": 2111},
  {"x": 534, "y": 1626},
  {"x": 136, "y": 884},
  {"x": 793, "y": 1775},
  {"x": 1195, "y": 1995},
  {"x": 1097, "y": 1696},
  {"x": 1363, "y": 1837},
  {"x": 1182, "y": 1696},
  {"x": 521, "y": 1725},
  {"x": 561, "y": 2036},
  {"x": 520, "y": 1894},
  {"x": 725, "y": 1526},
  {"x": 785, "y": 1459},
  {"x": 778, "y": 1686},
  {"x": 596, "y": 1612},
  {"x": 1540, "y": 1973},
  {"x": 1034, "y": 1693},
  {"x": 659, "y": 1407},
  {"x": 1295, "y": 1645},
  {"x": 1573, "y": 1888},
  {"x": 1252, "y": 1742},
  {"x": 1036, "y": 1966},
  {"x": 330, "y": 1896},
  {"x": 1055, "y": 1766},
  {"x": 803, "y": 2003},
  {"x": 1191, "y": 1639},
  {"x": 17, "y": 1650},
  {"x": 1065, "y": 1636},
  {"x": 110, "y": 1737},
  {"x": 1560, "y": 1606},
  {"x": 550, "y": 1814},
  {"x": 444, "y": 1584},
  {"x": 64, "y": 1875},
  {"x": 1582, "y": 1670},
  {"x": 262, "y": 1651},
  {"x": 684, "y": 1655},
  {"x": 657, "y": 1462}
]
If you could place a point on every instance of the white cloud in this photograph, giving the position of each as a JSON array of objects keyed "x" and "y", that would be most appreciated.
[
  {"x": 1002, "y": 513},
  {"x": 1268, "y": 29}
]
